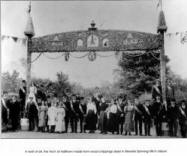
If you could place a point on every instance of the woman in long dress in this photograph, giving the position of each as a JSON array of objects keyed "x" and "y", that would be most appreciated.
[
  {"x": 113, "y": 118},
  {"x": 42, "y": 114},
  {"x": 60, "y": 119},
  {"x": 129, "y": 115},
  {"x": 103, "y": 116},
  {"x": 91, "y": 116}
]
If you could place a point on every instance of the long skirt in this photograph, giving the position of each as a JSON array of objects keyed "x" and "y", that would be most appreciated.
[
  {"x": 129, "y": 124},
  {"x": 103, "y": 121},
  {"x": 112, "y": 122},
  {"x": 91, "y": 120},
  {"x": 42, "y": 117},
  {"x": 60, "y": 124}
]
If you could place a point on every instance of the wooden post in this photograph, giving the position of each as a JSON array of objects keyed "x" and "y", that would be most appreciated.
[
  {"x": 163, "y": 68},
  {"x": 29, "y": 33},
  {"x": 161, "y": 29},
  {"x": 28, "y": 72}
]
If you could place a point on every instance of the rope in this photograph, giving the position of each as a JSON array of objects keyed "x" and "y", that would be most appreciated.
[
  {"x": 79, "y": 57},
  {"x": 104, "y": 55},
  {"x": 36, "y": 58},
  {"x": 53, "y": 58},
  {"x": 155, "y": 57}
]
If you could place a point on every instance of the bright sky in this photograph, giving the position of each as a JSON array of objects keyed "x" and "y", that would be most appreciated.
[{"x": 60, "y": 16}]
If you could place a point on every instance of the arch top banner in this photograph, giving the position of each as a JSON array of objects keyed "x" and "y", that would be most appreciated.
[{"x": 96, "y": 40}]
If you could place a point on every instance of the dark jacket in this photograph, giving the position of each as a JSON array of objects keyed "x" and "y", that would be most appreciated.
[
  {"x": 147, "y": 115},
  {"x": 32, "y": 111},
  {"x": 159, "y": 112},
  {"x": 103, "y": 106},
  {"x": 182, "y": 115},
  {"x": 138, "y": 112},
  {"x": 14, "y": 109},
  {"x": 4, "y": 114},
  {"x": 172, "y": 113},
  {"x": 22, "y": 95}
]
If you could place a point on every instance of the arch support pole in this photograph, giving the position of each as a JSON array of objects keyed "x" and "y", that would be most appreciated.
[
  {"x": 163, "y": 69},
  {"x": 28, "y": 70},
  {"x": 161, "y": 29},
  {"x": 29, "y": 33}
]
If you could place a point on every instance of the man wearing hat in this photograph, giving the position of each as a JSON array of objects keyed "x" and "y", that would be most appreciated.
[
  {"x": 173, "y": 117},
  {"x": 159, "y": 114},
  {"x": 14, "y": 113},
  {"x": 147, "y": 116},
  {"x": 32, "y": 113},
  {"x": 68, "y": 110},
  {"x": 74, "y": 113}
]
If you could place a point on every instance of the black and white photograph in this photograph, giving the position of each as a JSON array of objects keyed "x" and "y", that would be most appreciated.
[{"x": 94, "y": 69}]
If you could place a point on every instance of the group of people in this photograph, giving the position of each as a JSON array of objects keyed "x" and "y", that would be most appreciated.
[{"x": 120, "y": 115}]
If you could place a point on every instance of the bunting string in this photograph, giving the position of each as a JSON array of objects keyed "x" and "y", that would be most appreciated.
[
  {"x": 54, "y": 58},
  {"x": 182, "y": 35},
  {"x": 158, "y": 59},
  {"x": 15, "y": 39},
  {"x": 36, "y": 58},
  {"x": 159, "y": 4},
  {"x": 79, "y": 57},
  {"x": 105, "y": 55}
]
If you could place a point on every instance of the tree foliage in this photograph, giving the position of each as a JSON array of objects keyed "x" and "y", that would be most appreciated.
[
  {"x": 58, "y": 87},
  {"x": 137, "y": 73},
  {"x": 10, "y": 82},
  {"x": 179, "y": 84}
]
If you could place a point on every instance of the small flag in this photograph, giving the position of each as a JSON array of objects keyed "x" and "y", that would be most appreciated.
[
  {"x": 159, "y": 4},
  {"x": 183, "y": 38},
  {"x": 15, "y": 39}
]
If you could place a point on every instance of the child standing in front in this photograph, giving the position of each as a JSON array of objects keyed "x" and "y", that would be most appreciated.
[
  {"x": 60, "y": 118},
  {"x": 51, "y": 117}
]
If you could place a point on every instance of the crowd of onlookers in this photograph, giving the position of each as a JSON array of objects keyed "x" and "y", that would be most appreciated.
[{"x": 120, "y": 115}]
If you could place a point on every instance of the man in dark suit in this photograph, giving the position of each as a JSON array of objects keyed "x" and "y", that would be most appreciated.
[
  {"x": 183, "y": 118},
  {"x": 74, "y": 113},
  {"x": 121, "y": 104},
  {"x": 32, "y": 114},
  {"x": 14, "y": 113},
  {"x": 173, "y": 117},
  {"x": 82, "y": 113},
  {"x": 159, "y": 115},
  {"x": 68, "y": 112},
  {"x": 22, "y": 96},
  {"x": 78, "y": 113},
  {"x": 147, "y": 115},
  {"x": 4, "y": 111}
]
